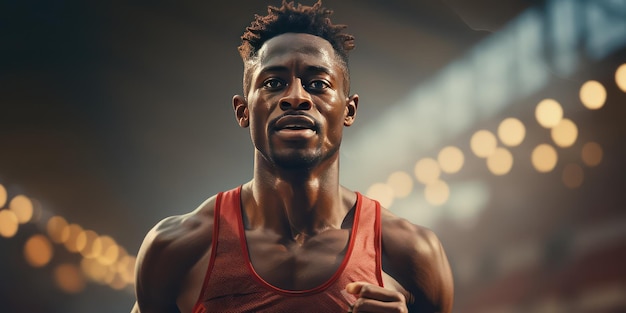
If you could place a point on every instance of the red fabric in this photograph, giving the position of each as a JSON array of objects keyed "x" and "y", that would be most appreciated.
[{"x": 231, "y": 285}]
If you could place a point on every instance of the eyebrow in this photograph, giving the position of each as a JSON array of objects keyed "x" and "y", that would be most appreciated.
[{"x": 310, "y": 68}]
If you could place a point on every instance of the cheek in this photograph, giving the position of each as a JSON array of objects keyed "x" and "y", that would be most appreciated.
[{"x": 258, "y": 122}]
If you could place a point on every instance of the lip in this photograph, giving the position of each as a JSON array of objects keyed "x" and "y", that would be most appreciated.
[{"x": 294, "y": 123}]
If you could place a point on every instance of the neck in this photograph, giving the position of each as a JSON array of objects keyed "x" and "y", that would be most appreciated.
[{"x": 296, "y": 204}]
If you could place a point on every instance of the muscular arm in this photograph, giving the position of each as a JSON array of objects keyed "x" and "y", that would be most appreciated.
[
  {"x": 167, "y": 254},
  {"x": 414, "y": 257}
]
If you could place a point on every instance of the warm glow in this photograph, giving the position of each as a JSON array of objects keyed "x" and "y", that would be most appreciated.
[
  {"x": 511, "y": 132},
  {"x": 592, "y": 154},
  {"x": 3, "y": 196},
  {"x": 110, "y": 250},
  {"x": 401, "y": 183},
  {"x": 500, "y": 162},
  {"x": 71, "y": 234},
  {"x": 38, "y": 251},
  {"x": 548, "y": 113},
  {"x": 592, "y": 95},
  {"x": 55, "y": 227},
  {"x": 572, "y": 176},
  {"x": 126, "y": 268},
  {"x": 94, "y": 270},
  {"x": 118, "y": 282},
  {"x": 383, "y": 193},
  {"x": 544, "y": 158},
  {"x": 22, "y": 207},
  {"x": 620, "y": 77},
  {"x": 110, "y": 274},
  {"x": 437, "y": 193},
  {"x": 451, "y": 159},
  {"x": 8, "y": 223},
  {"x": 483, "y": 143},
  {"x": 565, "y": 133},
  {"x": 69, "y": 278},
  {"x": 37, "y": 212},
  {"x": 427, "y": 170},
  {"x": 91, "y": 248}
]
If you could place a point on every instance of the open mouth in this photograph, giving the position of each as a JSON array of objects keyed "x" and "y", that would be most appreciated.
[{"x": 295, "y": 123}]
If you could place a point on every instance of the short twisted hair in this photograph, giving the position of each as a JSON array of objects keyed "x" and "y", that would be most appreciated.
[{"x": 289, "y": 18}]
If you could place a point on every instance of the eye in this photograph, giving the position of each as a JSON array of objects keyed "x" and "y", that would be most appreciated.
[
  {"x": 317, "y": 85},
  {"x": 273, "y": 83}
]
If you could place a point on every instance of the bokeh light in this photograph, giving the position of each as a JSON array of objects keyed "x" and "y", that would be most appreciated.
[
  {"x": 38, "y": 250},
  {"x": 8, "y": 223},
  {"x": 3, "y": 196},
  {"x": 511, "y": 132},
  {"x": 90, "y": 247},
  {"x": 450, "y": 159},
  {"x": 592, "y": 154},
  {"x": 110, "y": 250},
  {"x": 572, "y": 175},
  {"x": 620, "y": 77},
  {"x": 548, "y": 113},
  {"x": 564, "y": 134},
  {"x": 427, "y": 170},
  {"x": 401, "y": 183},
  {"x": 37, "y": 210},
  {"x": 117, "y": 282},
  {"x": 437, "y": 193},
  {"x": 22, "y": 207},
  {"x": 483, "y": 143},
  {"x": 592, "y": 95},
  {"x": 500, "y": 161},
  {"x": 383, "y": 193},
  {"x": 544, "y": 158},
  {"x": 126, "y": 268},
  {"x": 55, "y": 227},
  {"x": 71, "y": 233},
  {"x": 69, "y": 278},
  {"x": 94, "y": 270}
]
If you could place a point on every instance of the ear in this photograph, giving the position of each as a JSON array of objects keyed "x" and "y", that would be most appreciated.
[
  {"x": 351, "y": 105},
  {"x": 240, "y": 105}
]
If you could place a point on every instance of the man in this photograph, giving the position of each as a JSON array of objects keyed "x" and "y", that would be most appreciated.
[{"x": 293, "y": 239}]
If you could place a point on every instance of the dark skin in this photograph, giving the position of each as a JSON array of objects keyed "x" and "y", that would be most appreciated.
[{"x": 298, "y": 215}]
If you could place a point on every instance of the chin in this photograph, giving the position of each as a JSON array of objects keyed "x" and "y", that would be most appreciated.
[
  {"x": 300, "y": 162},
  {"x": 301, "y": 159}
]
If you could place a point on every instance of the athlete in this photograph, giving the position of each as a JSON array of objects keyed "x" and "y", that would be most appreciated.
[{"x": 292, "y": 239}]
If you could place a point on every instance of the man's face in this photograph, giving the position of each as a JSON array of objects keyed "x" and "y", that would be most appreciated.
[{"x": 296, "y": 105}]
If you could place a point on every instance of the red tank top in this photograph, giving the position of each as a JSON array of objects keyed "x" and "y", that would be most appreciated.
[{"x": 232, "y": 285}]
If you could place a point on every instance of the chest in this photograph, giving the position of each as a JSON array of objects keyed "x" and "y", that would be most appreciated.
[{"x": 297, "y": 266}]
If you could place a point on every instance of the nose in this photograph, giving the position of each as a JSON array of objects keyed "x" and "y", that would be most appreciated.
[{"x": 296, "y": 97}]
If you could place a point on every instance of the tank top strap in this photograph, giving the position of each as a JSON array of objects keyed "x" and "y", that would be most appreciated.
[
  {"x": 225, "y": 231},
  {"x": 368, "y": 237}
]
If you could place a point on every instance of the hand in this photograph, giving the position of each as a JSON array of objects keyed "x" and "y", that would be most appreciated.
[{"x": 372, "y": 298}]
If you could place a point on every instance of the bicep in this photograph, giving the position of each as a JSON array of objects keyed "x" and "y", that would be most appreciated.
[
  {"x": 444, "y": 276},
  {"x": 153, "y": 284},
  {"x": 414, "y": 256},
  {"x": 166, "y": 257}
]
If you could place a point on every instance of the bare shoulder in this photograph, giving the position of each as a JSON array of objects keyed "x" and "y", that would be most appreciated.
[
  {"x": 414, "y": 256},
  {"x": 403, "y": 238},
  {"x": 167, "y": 253}
]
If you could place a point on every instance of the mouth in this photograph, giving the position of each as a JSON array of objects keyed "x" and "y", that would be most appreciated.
[
  {"x": 295, "y": 127},
  {"x": 295, "y": 123}
]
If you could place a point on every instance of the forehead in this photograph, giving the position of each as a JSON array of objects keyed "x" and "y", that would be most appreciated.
[{"x": 290, "y": 47}]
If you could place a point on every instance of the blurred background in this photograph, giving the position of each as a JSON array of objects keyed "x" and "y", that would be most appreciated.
[{"x": 498, "y": 124}]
